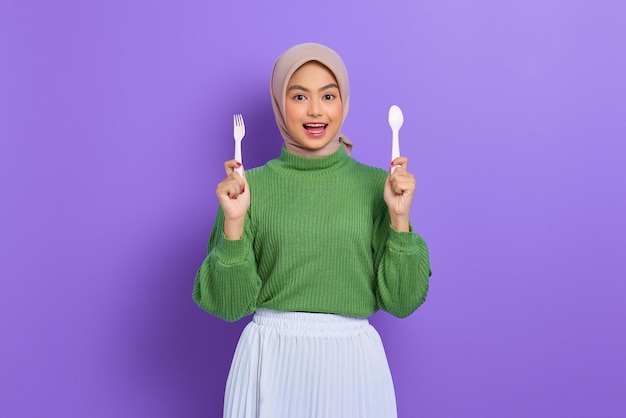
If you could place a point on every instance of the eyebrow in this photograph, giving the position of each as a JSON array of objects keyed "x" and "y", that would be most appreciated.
[{"x": 326, "y": 87}]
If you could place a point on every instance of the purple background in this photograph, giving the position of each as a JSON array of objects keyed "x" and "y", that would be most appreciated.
[{"x": 116, "y": 117}]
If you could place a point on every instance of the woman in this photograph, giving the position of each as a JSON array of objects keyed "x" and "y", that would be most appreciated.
[{"x": 313, "y": 243}]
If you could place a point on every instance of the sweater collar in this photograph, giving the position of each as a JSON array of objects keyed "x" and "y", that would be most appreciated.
[{"x": 327, "y": 164}]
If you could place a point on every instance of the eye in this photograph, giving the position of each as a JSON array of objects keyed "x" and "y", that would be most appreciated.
[
  {"x": 329, "y": 96},
  {"x": 299, "y": 97}
]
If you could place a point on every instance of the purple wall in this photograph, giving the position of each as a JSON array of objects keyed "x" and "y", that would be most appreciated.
[{"x": 115, "y": 119}]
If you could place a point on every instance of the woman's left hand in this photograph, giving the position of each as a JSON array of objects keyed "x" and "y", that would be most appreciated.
[{"x": 399, "y": 190}]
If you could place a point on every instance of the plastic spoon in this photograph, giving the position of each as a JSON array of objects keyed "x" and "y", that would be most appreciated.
[{"x": 396, "y": 119}]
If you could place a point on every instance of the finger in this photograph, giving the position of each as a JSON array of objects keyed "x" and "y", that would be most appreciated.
[
  {"x": 235, "y": 190},
  {"x": 403, "y": 176},
  {"x": 399, "y": 162},
  {"x": 402, "y": 184},
  {"x": 230, "y": 165},
  {"x": 232, "y": 187}
]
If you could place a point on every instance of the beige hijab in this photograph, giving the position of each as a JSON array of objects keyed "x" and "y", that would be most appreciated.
[{"x": 285, "y": 66}]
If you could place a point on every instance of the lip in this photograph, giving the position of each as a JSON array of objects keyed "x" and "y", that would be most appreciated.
[{"x": 319, "y": 131}]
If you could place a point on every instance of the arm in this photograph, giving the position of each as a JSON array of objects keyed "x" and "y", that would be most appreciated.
[
  {"x": 227, "y": 284},
  {"x": 401, "y": 256},
  {"x": 403, "y": 270}
]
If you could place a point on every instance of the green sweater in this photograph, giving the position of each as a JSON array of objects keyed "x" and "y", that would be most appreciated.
[{"x": 317, "y": 238}]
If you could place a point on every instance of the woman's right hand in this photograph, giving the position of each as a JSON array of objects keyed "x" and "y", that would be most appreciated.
[{"x": 233, "y": 194}]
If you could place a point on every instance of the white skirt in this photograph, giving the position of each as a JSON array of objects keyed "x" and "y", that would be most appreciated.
[{"x": 299, "y": 365}]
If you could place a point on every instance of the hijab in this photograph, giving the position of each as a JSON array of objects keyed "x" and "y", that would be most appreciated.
[{"x": 284, "y": 67}]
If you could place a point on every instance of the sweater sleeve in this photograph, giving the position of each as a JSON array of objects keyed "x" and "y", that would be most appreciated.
[
  {"x": 402, "y": 266},
  {"x": 227, "y": 284}
]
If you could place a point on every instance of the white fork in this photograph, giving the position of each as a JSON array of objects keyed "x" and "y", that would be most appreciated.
[{"x": 239, "y": 130}]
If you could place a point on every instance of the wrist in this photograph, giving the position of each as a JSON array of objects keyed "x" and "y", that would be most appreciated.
[
  {"x": 400, "y": 223},
  {"x": 233, "y": 228}
]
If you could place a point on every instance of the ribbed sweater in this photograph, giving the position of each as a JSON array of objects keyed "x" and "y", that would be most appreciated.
[{"x": 317, "y": 238}]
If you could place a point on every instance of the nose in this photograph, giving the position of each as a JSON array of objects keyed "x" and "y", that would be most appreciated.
[{"x": 315, "y": 109}]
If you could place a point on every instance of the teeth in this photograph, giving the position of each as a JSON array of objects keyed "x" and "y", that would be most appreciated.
[{"x": 315, "y": 125}]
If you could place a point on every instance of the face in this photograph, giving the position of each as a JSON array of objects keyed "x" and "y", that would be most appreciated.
[{"x": 313, "y": 108}]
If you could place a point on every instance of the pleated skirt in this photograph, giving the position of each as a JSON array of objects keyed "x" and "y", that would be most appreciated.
[{"x": 309, "y": 365}]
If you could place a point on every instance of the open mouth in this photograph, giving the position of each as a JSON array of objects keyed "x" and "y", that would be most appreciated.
[{"x": 315, "y": 129}]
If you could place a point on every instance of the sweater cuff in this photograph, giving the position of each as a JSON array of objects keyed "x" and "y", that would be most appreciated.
[
  {"x": 403, "y": 242},
  {"x": 232, "y": 251}
]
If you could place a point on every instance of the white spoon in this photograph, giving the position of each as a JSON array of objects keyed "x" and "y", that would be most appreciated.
[{"x": 396, "y": 119}]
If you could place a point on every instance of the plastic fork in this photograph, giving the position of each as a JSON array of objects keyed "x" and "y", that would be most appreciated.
[{"x": 239, "y": 131}]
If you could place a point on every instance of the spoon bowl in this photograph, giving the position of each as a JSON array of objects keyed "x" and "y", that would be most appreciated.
[{"x": 396, "y": 119}]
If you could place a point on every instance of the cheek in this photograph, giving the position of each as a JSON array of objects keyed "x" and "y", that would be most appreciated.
[
  {"x": 292, "y": 119},
  {"x": 338, "y": 112},
  {"x": 288, "y": 115}
]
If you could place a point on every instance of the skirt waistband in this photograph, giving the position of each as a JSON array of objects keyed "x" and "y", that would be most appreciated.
[{"x": 309, "y": 322}]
